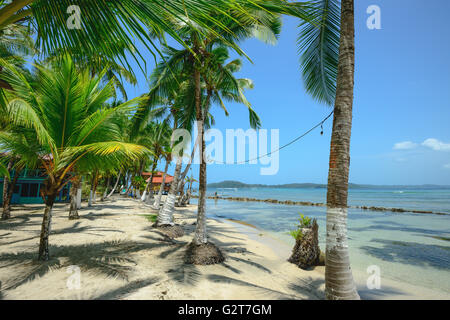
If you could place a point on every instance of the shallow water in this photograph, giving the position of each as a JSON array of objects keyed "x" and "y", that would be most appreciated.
[{"x": 409, "y": 248}]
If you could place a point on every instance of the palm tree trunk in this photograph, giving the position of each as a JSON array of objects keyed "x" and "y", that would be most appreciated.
[
  {"x": 6, "y": 183},
  {"x": 200, "y": 236},
  {"x": 183, "y": 175},
  {"x": 200, "y": 230},
  {"x": 46, "y": 227},
  {"x": 165, "y": 215},
  {"x": 115, "y": 185},
  {"x": 94, "y": 190},
  {"x": 339, "y": 282},
  {"x": 130, "y": 186},
  {"x": 91, "y": 191},
  {"x": 79, "y": 193},
  {"x": 108, "y": 182},
  {"x": 73, "y": 210},
  {"x": 149, "y": 187},
  {"x": 6, "y": 214},
  {"x": 161, "y": 188}
]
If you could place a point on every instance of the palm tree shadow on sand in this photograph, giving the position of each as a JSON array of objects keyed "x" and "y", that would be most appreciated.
[
  {"x": 411, "y": 253},
  {"x": 111, "y": 258}
]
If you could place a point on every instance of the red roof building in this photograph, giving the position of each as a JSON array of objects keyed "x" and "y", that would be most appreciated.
[{"x": 157, "y": 179}]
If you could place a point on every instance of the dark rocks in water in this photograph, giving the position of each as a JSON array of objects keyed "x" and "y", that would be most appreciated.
[
  {"x": 318, "y": 204},
  {"x": 306, "y": 252},
  {"x": 203, "y": 254}
]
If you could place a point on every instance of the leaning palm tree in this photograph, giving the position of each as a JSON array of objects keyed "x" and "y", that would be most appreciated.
[
  {"x": 328, "y": 58},
  {"x": 70, "y": 128}
]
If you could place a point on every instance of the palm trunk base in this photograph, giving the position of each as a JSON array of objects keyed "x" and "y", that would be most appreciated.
[
  {"x": 46, "y": 229},
  {"x": 204, "y": 254},
  {"x": 73, "y": 214},
  {"x": 171, "y": 231},
  {"x": 6, "y": 214}
]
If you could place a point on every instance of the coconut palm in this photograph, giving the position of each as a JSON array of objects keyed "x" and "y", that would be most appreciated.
[
  {"x": 69, "y": 127},
  {"x": 179, "y": 69},
  {"x": 168, "y": 158},
  {"x": 327, "y": 59},
  {"x": 159, "y": 135},
  {"x": 104, "y": 24},
  {"x": 219, "y": 85}
]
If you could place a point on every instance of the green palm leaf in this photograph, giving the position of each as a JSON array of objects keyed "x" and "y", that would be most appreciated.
[{"x": 318, "y": 46}]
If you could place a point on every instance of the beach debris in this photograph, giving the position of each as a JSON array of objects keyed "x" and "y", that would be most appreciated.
[{"x": 306, "y": 252}]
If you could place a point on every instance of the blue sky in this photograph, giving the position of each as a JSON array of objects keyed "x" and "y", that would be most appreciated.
[{"x": 401, "y": 129}]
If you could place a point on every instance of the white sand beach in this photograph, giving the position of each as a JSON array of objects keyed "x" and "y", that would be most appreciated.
[{"x": 121, "y": 256}]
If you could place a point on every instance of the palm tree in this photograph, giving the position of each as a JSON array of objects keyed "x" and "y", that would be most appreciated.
[
  {"x": 70, "y": 128},
  {"x": 181, "y": 69},
  {"x": 159, "y": 134},
  {"x": 168, "y": 158},
  {"x": 328, "y": 57},
  {"x": 104, "y": 24},
  {"x": 219, "y": 85}
]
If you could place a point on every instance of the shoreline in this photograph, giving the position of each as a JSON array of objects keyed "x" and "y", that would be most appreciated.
[
  {"x": 391, "y": 289},
  {"x": 319, "y": 204},
  {"x": 121, "y": 256}
]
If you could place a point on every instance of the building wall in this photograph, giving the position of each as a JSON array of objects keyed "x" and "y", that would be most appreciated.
[{"x": 28, "y": 188}]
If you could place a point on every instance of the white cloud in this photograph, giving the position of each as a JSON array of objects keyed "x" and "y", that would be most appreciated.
[
  {"x": 436, "y": 145},
  {"x": 405, "y": 145},
  {"x": 447, "y": 166}
]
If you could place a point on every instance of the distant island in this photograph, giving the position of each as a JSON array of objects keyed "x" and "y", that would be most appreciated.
[{"x": 238, "y": 184}]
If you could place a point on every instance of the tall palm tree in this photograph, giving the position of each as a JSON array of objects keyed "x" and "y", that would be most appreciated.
[
  {"x": 69, "y": 127},
  {"x": 219, "y": 85},
  {"x": 328, "y": 58}
]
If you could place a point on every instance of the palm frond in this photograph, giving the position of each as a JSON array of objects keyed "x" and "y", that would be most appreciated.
[{"x": 318, "y": 46}]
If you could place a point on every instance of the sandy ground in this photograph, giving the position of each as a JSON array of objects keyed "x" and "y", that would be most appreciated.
[{"x": 120, "y": 256}]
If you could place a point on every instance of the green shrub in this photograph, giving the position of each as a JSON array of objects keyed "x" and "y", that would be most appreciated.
[
  {"x": 151, "y": 217},
  {"x": 304, "y": 222}
]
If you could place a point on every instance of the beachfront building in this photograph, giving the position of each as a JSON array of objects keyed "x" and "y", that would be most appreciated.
[
  {"x": 28, "y": 187},
  {"x": 157, "y": 180}
]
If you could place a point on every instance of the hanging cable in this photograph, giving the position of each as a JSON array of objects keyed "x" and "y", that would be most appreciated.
[{"x": 287, "y": 144}]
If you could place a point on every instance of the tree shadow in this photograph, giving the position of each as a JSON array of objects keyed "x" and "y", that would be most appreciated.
[
  {"x": 22, "y": 220},
  {"x": 401, "y": 228},
  {"x": 93, "y": 216},
  {"x": 309, "y": 287},
  {"x": 264, "y": 292},
  {"x": 75, "y": 228},
  {"x": 251, "y": 263},
  {"x": 376, "y": 294},
  {"x": 111, "y": 258},
  {"x": 127, "y": 289},
  {"x": 411, "y": 253}
]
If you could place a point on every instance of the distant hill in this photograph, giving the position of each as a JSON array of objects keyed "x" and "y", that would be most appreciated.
[{"x": 238, "y": 184}]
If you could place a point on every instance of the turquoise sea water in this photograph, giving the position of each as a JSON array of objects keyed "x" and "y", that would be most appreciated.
[{"x": 408, "y": 248}]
